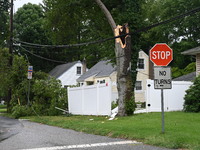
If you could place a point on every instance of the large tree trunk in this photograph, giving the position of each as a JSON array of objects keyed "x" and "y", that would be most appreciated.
[
  {"x": 123, "y": 60},
  {"x": 124, "y": 80}
]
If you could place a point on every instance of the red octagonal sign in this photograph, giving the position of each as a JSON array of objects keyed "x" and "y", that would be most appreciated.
[{"x": 161, "y": 54}]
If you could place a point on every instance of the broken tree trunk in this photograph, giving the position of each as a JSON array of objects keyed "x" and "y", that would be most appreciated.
[
  {"x": 123, "y": 60},
  {"x": 124, "y": 80}
]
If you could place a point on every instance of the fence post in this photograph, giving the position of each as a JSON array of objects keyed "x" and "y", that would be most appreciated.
[
  {"x": 68, "y": 94},
  {"x": 148, "y": 92},
  {"x": 82, "y": 98},
  {"x": 97, "y": 88},
  {"x": 110, "y": 95}
]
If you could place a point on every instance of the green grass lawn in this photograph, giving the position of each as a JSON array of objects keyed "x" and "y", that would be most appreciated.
[
  {"x": 3, "y": 109},
  {"x": 182, "y": 130}
]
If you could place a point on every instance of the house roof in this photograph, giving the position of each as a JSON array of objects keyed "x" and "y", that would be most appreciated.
[
  {"x": 60, "y": 69},
  {"x": 145, "y": 52},
  {"x": 192, "y": 51},
  {"x": 187, "y": 77},
  {"x": 101, "y": 69}
]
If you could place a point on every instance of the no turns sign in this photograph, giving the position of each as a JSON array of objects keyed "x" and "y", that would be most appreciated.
[{"x": 162, "y": 78}]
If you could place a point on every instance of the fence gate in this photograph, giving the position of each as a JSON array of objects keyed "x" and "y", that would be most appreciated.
[{"x": 173, "y": 98}]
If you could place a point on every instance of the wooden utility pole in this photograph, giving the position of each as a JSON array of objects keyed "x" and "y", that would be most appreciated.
[
  {"x": 10, "y": 51},
  {"x": 11, "y": 34}
]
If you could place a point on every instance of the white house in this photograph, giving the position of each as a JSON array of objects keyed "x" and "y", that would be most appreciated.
[{"x": 68, "y": 73}]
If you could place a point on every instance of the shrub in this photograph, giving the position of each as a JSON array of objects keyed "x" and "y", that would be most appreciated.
[
  {"x": 45, "y": 94},
  {"x": 130, "y": 106},
  {"x": 114, "y": 104},
  {"x": 192, "y": 97},
  {"x": 49, "y": 94},
  {"x": 21, "y": 111}
]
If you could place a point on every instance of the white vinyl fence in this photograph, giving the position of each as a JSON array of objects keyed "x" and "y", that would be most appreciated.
[
  {"x": 90, "y": 100},
  {"x": 173, "y": 98}
]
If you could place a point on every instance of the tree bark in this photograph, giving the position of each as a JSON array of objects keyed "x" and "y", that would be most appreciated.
[{"x": 123, "y": 60}]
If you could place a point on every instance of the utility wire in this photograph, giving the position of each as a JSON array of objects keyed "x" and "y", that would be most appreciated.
[
  {"x": 193, "y": 11},
  {"x": 56, "y": 61},
  {"x": 52, "y": 59}
]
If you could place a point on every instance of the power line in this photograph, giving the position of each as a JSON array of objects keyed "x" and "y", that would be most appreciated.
[
  {"x": 69, "y": 45},
  {"x": 56, "y": 61},
  {"x": 193, "y": 11},
  {"x": 41, "y": 57}
]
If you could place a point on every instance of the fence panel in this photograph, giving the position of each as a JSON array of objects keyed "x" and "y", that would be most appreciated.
[
  {"x": 90, "y": 100},
  {"x": 105, "y": 98},
  {"x": 75, "y": 100}
]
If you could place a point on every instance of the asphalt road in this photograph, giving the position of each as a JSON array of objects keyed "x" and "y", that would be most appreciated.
[
  {"x": 25, "y": 135},
  {"x": 9, "y": 127}
]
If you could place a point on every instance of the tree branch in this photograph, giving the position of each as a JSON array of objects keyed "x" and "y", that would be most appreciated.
[{"x": 107, "y": 14}]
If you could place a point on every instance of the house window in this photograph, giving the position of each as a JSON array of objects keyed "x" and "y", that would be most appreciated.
[
  {"x": 80, "y": 84},
  {"x": 78, "y": 70},
  {"x": 140, "y": 63},
  {"x": 102, "y": 81},
  {"x": 138, "y": 85},
  {"x": 90, "y": 82}
]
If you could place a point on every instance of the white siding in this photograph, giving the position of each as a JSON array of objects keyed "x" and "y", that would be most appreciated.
[{"x": 70, "y": 76}]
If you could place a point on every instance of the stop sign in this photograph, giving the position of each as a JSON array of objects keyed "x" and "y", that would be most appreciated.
[{"x": 161, "y": 54}]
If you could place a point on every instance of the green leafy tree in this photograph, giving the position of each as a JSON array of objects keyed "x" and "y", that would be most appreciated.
[
  {"x": 176, "y": 72},
  {"x": 180, "y": 34},
  {"x": 49, "y": 94},
  {"x": 29, "y": 24},
  {"x": 45, "y": 94},
  {"x": 17, "y": 75},
  {"x": 4, "y": 72},
  {"x": 192, "y": 97},
  {"x": 20, "y": 92},
  {"x": 4, "y": 6},
  {"x": 73, "y": 22}
]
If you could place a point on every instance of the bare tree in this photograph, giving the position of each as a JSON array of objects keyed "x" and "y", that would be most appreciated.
[{"x": 123, "y": 60}]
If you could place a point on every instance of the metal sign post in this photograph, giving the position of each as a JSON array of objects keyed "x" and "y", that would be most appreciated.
[
  {"x": 162, "y": 80},
  {"x": 30, "y": 72},
  {"x": 161, "y": 55},
  {"x": 162, "y": 109}
]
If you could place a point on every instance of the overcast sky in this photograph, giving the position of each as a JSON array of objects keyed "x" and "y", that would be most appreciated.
[{"x": 20, "y": 3}]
